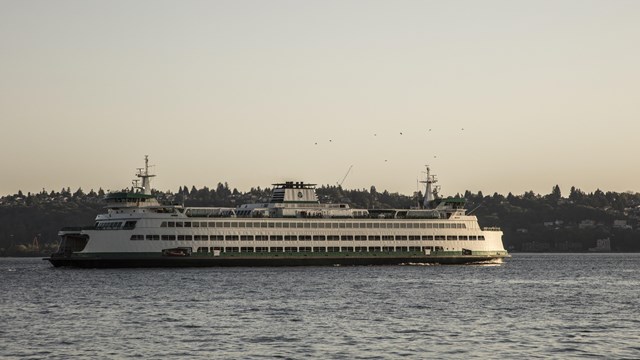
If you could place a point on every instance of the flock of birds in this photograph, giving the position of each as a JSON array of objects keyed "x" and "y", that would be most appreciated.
[{"x": 401, "y": 133}]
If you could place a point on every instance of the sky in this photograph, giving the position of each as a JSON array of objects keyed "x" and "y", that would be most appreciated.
[{"x": 495, "y": 96}]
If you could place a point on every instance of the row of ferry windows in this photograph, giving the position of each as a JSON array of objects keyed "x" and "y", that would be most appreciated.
[
  {"x": 314, "y": 225},
  {"x": 306, "y": 237},
  {"x": 317, "y": 249}
]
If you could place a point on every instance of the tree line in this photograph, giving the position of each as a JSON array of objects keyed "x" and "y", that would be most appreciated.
[{"x": 531, "y": 222}]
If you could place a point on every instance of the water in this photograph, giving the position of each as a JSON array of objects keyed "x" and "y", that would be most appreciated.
[{"x": 532, "y": 306}]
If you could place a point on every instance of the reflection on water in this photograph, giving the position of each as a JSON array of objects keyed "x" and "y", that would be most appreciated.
[{"x": 558, "y": 305}]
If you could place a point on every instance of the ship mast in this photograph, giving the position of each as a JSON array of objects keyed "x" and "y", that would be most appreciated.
[
  {"x": 143, "y": 173},
  {"x": 430, "y": 192}
]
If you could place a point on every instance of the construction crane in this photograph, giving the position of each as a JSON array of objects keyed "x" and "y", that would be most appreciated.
[{"x": 345, "y": 176}]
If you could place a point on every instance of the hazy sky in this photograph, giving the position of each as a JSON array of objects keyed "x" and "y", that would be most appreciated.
[{"x": 547, "y": 92}]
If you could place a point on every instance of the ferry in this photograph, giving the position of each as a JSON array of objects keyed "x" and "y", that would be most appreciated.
[{"x": 292, "y": 229}]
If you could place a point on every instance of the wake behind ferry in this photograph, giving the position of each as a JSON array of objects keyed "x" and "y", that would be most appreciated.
[{"x": 292, "y": 229}]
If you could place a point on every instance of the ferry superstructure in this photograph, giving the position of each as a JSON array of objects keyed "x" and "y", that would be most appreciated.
[{"x": 292, "y": 229}]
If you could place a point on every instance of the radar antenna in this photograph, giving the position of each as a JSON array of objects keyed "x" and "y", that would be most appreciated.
[
  {"x": 431, "y": 191},
  {"x": 143, "y": 173}
]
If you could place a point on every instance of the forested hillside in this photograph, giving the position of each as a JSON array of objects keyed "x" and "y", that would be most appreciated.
[{"x": 531, "y": 222}]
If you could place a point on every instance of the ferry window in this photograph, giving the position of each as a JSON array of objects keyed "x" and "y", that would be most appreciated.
[
  {"x": 171, "y": 224},
  {"x": 279, "y": 225},
  {"x": 203, "y": 224},
  {"x": 333, "y": 237},
  {"x": 347, "y": 248},
  {"x": 179, "y": 224},
  {"x": 249, "y": 225},
  {"x": 346, "y": 237},
  {"x": 163, "y": 224},
  {"x": 304, "y": 237},
  {"x": 226, "y": 224},
  {"x": 187, "y": 224},
  {"x": 452, "y": 237},
  {"x": 129, "y": 225},
  {"x": 246, "y": 249},
  {"x": 403, "y": 226},
  {"x": 217, "y": 237},
  {"x": 234, "y": 224},
  {"x": 319, "y": 249},
  {"x": 414, "y": 237},
  {"x": 137, "y": 237},
  {"x": 196, "y": 224},
  {"x": 401, "y": 237},
  {"x": 307, "y": 225},
  {"x": 256, "y": 224},
  {"x": 349, "y": 225},
  {"x": 440, "y": 226},
  {"x": 335, "y": 225},
  {"x": 203, "y": 250},
  {"x": 480, "y": 237},
  {"x": 374, "y": 248},
  {"x": 246, "y": 237},
  {"x": 427, "y": 237},
  {"x": 262, "y": 249},
  {"x": 473, "y": 237},
  {"x": 439, "y": 237},
  {"x": 314, "y": 225},
  {"x": 276, "y": 237},
  {"x": 263, "y": 224},
  {"x": 241, "y": 224},
  {"x": 360, "y": 237},
  {"x": 374, "y": 237},
  {"x": 231, "y": 237},
  {"x": 290, "y": 237},
  {"x": 462, "y": 237},
  {"x": 363, "y": 225},
  {"x": 271, "y": 225},
  {"x": 387, "y": 237},
  {"x": 262, "y": 238},
  {"x": 422, "y": 225},
  {"x": 277, "y": 249},
  {"x": 319, "y": 237},
  {"x": 333, "y": 249},
  {"x": 356, "y": 225},
  {"x": 290, "y": 249},
  {"x": 320, "y": 225},
  {"x": 299, "y": 225}
]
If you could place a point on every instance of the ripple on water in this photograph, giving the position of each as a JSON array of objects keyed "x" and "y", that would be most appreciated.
[{"x": 563, "y": 306}]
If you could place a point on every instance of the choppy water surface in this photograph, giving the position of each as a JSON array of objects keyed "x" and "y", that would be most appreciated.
[{"x": 533, "y": 305}]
